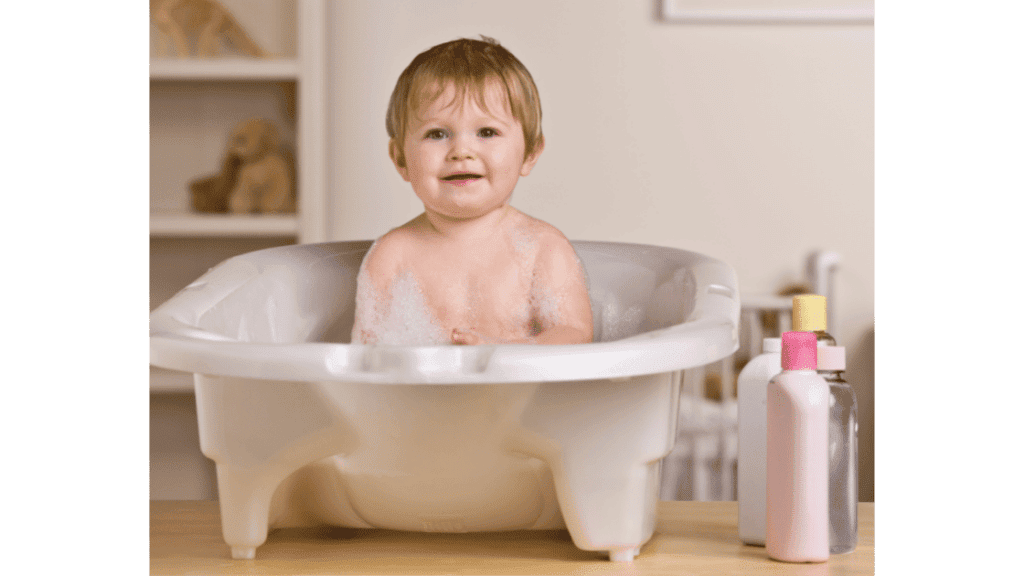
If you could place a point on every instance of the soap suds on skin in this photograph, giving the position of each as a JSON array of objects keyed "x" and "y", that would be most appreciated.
[
  {"x": 522, "y": 244},
  {"x": 408, "y": 320},
  {"x": 402, "y": 318},
  {"x": 399, "y": 313},
  {"x": 399, "y": 316},
  {"x": 546, "y": 307}
]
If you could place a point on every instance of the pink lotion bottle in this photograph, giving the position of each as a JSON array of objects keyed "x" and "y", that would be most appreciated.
[{"x": 797, "y": 522}]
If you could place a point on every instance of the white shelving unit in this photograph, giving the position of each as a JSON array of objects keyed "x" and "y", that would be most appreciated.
[
  {"x": 165, "y": 69},
  {"x": 194, "y": 106},
  {"x": 208, "y": 225},
  {"x": 196, "y": 103}
]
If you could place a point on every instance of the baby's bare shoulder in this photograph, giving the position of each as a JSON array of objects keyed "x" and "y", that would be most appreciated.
[
  {"x": 545, "y": 239},
  {"x": 389, "y": 253}
]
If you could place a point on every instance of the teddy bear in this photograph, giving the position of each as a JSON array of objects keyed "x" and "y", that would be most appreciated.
[
  {"x": 206, "y": 22},
  {"x": 257, "y": 174}
]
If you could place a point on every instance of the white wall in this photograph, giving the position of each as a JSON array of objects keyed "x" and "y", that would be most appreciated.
[{"x": 750, "y": 143}]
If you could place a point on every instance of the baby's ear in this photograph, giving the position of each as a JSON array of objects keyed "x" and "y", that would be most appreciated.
[
  {"x": 531, "y": 160},
  {"x": 398, "y": 158}
]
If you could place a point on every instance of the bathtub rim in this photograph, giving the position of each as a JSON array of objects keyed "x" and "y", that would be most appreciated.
[{"x": 710, "y": 334}]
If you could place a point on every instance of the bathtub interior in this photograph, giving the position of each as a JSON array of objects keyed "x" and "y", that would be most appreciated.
[{"x": 306, "y": 293}]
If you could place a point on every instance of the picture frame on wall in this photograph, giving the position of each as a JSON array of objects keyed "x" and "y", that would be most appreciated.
[{"x": 768, "y": 11}]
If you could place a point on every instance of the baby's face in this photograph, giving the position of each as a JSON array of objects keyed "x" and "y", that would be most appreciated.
[{"x": 464, "y": 161}]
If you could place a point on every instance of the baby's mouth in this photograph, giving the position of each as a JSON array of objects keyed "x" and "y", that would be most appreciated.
[{"x": 461, "y": 177}]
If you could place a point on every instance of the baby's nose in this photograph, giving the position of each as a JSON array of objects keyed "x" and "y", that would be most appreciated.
[
  {"x": 461, "y": 154},
  {"x": 460, "y": 150}
]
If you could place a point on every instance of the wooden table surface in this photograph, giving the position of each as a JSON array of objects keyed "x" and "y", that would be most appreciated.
[{"x": 691, "y": 538}]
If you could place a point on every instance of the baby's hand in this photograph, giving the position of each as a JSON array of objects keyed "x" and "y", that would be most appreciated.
[{"x": 465, "y": 337}]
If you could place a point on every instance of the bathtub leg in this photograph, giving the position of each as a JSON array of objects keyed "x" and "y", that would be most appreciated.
[
  {"x": 244, "y": 510},
  {"x": 259, "y": 432},
  {"x": 623, "y": 554},
  {"x": 608, "y": 511},
  {"x": 604, "y": 441}
]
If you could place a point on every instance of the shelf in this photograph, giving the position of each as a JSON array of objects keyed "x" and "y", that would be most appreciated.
[
  {"x": 764, "y": 302},
  {"x": 163, "y": 381},
  {"x": 210, "y": 225},
  {"x": 223, "y": 69}
]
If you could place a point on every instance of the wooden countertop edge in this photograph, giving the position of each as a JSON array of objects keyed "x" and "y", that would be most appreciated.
[{"x": 690, "y": 538}]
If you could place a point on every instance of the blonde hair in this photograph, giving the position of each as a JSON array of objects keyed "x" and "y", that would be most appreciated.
[{"x": 465, "y": 64}]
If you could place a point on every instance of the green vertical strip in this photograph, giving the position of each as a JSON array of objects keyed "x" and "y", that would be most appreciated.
[{"x": 75, "y": 287}]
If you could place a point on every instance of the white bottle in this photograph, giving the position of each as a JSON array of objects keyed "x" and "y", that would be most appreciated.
[
  {"x": 797, "y": 521},
  {"x": 752, "y": 397}
]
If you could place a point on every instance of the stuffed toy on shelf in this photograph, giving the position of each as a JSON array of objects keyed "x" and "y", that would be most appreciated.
[
  {"x": 257, "y": 174},
  {"x": 202, "y": 23}
]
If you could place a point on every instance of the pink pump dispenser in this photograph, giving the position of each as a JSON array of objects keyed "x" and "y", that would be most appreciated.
[{"x": 797, "y": 523}]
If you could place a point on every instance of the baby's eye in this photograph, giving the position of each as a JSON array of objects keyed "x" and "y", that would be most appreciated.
[
  {"x": 436, "y": 134},
  {"x": 487, "y": 133}
]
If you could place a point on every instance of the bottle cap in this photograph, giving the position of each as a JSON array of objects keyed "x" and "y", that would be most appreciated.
[
  {"x": 832, "y": 358},
  {"x": 809, "y": 313},
  {"x": 773, "y": 345},
  {"x": 799, "y": 351}
]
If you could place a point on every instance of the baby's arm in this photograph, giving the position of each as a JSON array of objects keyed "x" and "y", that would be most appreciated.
[
  {"x": 559, "y": 299},
  {"x": 372, "y": 286}
]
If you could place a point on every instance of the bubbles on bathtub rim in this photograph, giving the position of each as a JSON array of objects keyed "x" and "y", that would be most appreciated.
[{"x": 618, "y": 323}]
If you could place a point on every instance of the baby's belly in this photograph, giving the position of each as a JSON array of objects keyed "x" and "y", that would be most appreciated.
[{"x": 415, "y": 316}]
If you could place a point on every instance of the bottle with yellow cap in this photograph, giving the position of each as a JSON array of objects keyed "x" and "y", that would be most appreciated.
[{"x": 809, "y": 316}]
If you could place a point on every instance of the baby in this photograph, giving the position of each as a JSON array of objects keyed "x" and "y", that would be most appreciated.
[{"x": 464, "y": 121}]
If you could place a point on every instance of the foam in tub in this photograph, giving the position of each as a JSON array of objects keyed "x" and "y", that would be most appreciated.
[{"x": 307, "y": 429}]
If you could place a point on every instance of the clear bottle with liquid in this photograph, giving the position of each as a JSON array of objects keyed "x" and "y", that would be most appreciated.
[
  {"x": 796, "y": 526},
  {"x": 809, "y": 315},
  {"x": 842, "y": 451},
  {"x": 752, "y": 400}
]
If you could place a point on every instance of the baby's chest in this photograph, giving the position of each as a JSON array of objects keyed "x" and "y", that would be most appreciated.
[{"x": 493, "y": 289}]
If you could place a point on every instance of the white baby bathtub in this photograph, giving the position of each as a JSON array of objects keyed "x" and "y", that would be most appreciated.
[{"x": 307, "y": 429}]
